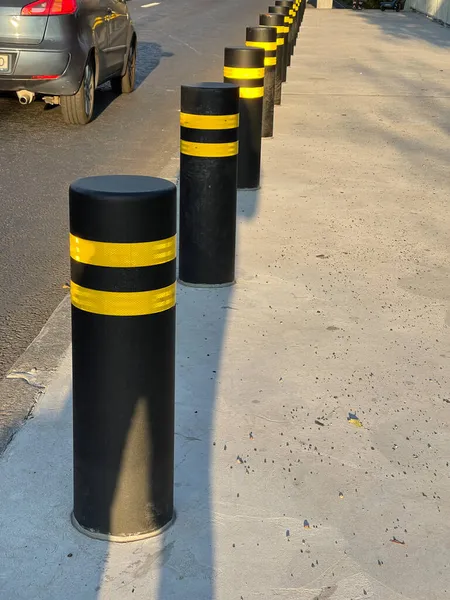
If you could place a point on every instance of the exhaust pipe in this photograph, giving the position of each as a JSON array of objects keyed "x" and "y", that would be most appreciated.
[{"x": 25, "y": 97}]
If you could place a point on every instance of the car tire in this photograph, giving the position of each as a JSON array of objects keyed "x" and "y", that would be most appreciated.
[
  {"x": 126, "y": 82},
  {"x": 397, "y": 8},
  {"x": 79, "y": 108},
  {"x": 383, "y": 8}
]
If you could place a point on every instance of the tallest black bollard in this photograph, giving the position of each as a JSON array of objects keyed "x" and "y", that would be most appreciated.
[{"x": 122, "y": 249}]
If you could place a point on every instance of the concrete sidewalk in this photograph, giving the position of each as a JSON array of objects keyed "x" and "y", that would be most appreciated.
[{"x": 341, "y": 306}]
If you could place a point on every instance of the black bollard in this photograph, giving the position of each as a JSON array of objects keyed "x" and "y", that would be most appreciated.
[
  {"x": 281, "y": 10},
  {"x": 266, "y": 38},
  {"x": 297, "y": 20},
  {"x": 290, "y": 5},
  {"x": 276, "y": 21},
  {"x": 208, "y": 183},
  {"x": 294, "y": 26},
  {"x": 302, "y": 11},
  {"x": 245, "y": 68},
  {"x": 122, "y": 249}
]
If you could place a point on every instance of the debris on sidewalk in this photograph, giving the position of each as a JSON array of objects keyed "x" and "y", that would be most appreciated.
[
  {"x": 306, "y": 524},
  {"x": 394, "y": 540},
  {"x": 29, "y": 377},
  {"x": 354, "y": 419},
  {"x": 319, "y": 422},
  {"x": 341, "y": 495}
]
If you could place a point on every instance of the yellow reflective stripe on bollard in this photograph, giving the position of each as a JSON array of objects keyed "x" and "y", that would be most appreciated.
[
  {"x": 280, "y": 29},
  {"x": 209, "y": 150},
  {"x": 264, "y": 45},
  {"x": 286, "y": 30},
  {"x": 280, "y": 41},
  {"x": 108, "y": 254},
  {"x": 122, "y": 304},
  {"x": 238, "y": 73},
  {"x": 211, "y": 122},
  {"x": 251, "y": 93},
  {"x": 270, "y": 61}
]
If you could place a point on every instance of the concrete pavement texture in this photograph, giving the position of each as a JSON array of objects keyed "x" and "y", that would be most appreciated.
[{"x": 312, "y": 422}]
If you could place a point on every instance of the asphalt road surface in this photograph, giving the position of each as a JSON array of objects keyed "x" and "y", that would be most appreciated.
[{"x": 180, "y": 41}]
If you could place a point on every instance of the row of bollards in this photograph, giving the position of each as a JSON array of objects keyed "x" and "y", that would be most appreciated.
[
  {"x": 257, "y": 75},
  {"x": 123, "y": 274}
]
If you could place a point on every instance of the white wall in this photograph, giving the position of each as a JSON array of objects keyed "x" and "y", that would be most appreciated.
[{"x": 438, "y": 9}]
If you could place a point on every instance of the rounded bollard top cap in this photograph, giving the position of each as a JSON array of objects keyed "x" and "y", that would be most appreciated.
[
  {"x": 244, "y": 57},
  {"x": 271, "y": 20},
  {"x": 261, "y": 33},
  {"x": 122, "y": 208},
  {"x": 209, "y": 98},
  {"x": 121, "y": 185},
  {"x": 209, "y": 85},
  {"x": 280, "y": 10},
  {"x": 288, "y": 3},
  {"x": 237, "y": 48}
]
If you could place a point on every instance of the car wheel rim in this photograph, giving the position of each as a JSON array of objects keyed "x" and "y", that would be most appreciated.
[
  {"x": 132, "y": 65},
  {"x": 88, "y": 90}
]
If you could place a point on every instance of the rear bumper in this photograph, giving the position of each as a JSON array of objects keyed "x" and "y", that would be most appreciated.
[{"x": 28, "y": 65}]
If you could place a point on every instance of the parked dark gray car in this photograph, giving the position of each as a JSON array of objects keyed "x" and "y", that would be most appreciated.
[{"x": 63, "y": 49}]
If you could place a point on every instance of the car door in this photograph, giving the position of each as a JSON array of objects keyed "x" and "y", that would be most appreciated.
[
  {"x": 94, "y": 14},
  {"x": 118, "y": 28}
]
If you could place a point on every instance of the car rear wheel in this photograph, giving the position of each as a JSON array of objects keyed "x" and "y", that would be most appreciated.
[
  {"x": 78, "y": 109},
  {"x": 125, "y": 84}
]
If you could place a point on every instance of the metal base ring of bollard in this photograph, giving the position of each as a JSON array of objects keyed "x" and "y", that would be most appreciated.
[
  {"x": 121, "y": 539},
  {"x": 206, "y": 285}
]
